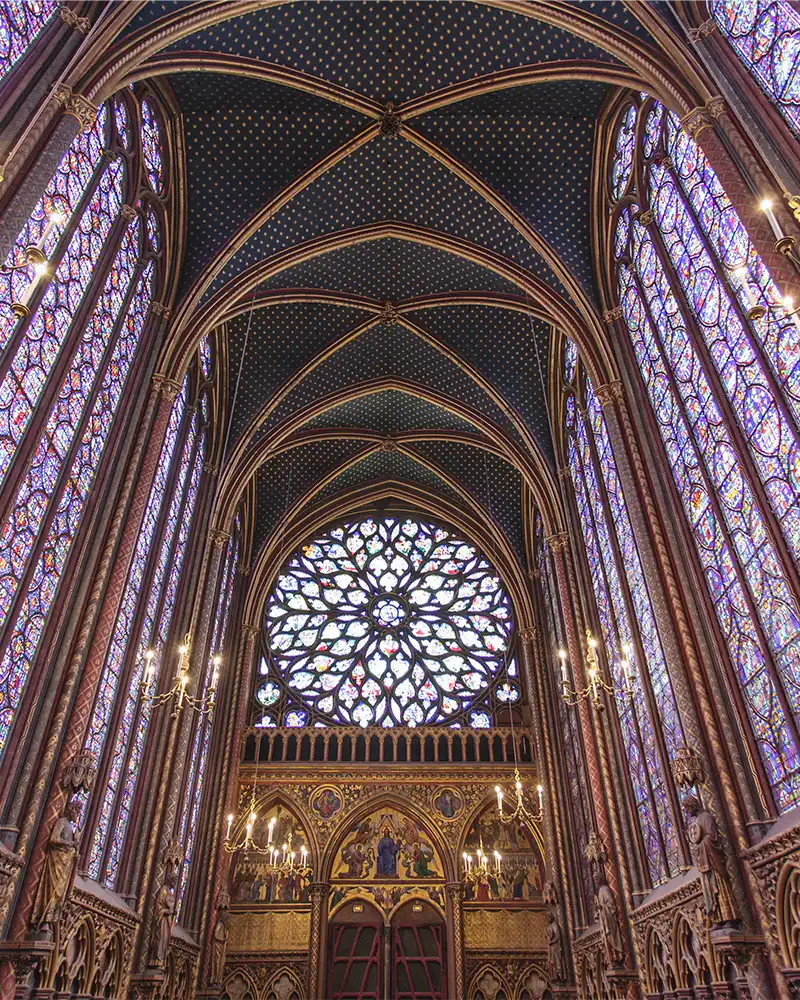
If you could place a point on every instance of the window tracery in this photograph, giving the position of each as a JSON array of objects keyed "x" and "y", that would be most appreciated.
[
  {"x": 198, "y": 757},
  {"x": 765, "y": 35},
  {"x": 722, "y": 379},
  {"x": 387, "y": 622},
  {"x": 648, "y": 716},
  {"x": 69, "y": 354}
]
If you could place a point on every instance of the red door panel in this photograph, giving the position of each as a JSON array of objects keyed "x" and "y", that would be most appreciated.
[
  {"x": 418, "y": 966},
  {"x": 354, "y": 972}
]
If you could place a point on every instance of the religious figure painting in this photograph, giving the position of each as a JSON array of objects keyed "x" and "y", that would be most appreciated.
[
  {"x": 387, "y": 846},
  {"x": 255, "y": 880},
  {"x": 516, "y": 877}
]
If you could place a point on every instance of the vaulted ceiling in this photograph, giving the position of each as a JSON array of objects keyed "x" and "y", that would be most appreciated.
[{"x": 388, "y": 215}]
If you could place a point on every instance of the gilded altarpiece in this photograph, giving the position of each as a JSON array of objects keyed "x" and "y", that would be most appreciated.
[{"x": 384, "y": 838}]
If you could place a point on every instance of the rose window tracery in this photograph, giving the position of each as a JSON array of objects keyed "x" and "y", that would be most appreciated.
[{"x": 387, "y": 622}]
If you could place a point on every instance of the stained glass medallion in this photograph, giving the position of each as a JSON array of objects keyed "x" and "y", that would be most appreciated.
[
  {"x": 622, "y": 161},
  {"x": 387, "y": 622},
  {"x": 151, "y": 147}
]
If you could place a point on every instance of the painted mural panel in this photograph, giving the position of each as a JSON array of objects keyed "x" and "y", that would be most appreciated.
[
  {"x": 255, "y": 880},
  {"x": 390, "y": 846},
  {"x": 515, "y": 877}
]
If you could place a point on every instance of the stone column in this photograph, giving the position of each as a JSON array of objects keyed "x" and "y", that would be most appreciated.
[
  {"x": 454, "y": 912},
  {"x": 318, "y": 940},
  {"x": 643, "y": 518},
  {"x": 702, "y": 124},
  {"x": 558, "y": 545},
  {"x": 78, "y": 114},
  {"x": 95, "y": 630},
  {"x": 229, "y": 794}
]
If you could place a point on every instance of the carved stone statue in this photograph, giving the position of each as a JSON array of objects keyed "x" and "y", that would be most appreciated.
[
  {"x": 220, "y": 938},
  {"x": 163, "y": 918},
  {"x": 56, "y": 880},
  {"x": 709, "y": 858},
  {"x": 555, "y": 947},
  {"x": 608, "y": 916}
]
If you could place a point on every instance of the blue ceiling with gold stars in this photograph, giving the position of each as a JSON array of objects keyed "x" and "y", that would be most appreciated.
[{"x": 434, "y": 213}]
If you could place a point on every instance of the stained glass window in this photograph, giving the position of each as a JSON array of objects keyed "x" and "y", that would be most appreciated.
[
  {"x": 388, "y": 622},
  {"x": 154, "y": 634},
  {"x": 205, "y": 357},
  {"x": 629, "y": 634},
  {"x": 49, "y": 465},
  {"x": 722, "y": 378},
  {"x": 198, "y": 757},
  {"x": 622, "y": 161},
  {"x": 571, "y": 747},
  {"x": 21, "y": 21},
  {"x": 151, "y": 147},
  {"x": 765, "y": 35}
]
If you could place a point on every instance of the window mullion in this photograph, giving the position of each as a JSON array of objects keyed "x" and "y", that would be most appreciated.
[
  {"x": 772, "y": 526},
  {"x": 133, "y": 648},
  {"x": 135, "y": 640},
  {"x": 9, "y": 351},
  {"x": 753, "y": 337},
  {"x": 614, "y": 622},
  {"x": 164, "y": 675},
  {"x": 66, "y": 464},
  {"x": 723, "y": 527},
  {"x": 644, "y": 674}
]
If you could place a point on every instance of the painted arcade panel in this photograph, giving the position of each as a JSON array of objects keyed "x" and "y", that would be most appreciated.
[
  {"x": 387, "y": 857},
  {"x": 516, "y": 877},
  {"x": 259, "y": 878}
]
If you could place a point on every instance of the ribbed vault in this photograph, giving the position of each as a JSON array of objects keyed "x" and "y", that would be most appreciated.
[{"x": 385, "y": 245}]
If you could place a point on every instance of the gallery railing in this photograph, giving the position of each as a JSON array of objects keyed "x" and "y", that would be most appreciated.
[{"x": 344, "y": 745}]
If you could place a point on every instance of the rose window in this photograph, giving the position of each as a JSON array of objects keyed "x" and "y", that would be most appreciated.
[{"x": 387, "y": 622}]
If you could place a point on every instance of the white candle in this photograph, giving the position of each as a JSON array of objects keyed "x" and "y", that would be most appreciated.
[
  {"x": 39, "y": 271},
  {"x": 540, "y": 791},
  {"x": 499, "y": 797},
  {"x": 285, "y": 849},
  {"x": 766, "y": 207},
  {"x": 54, "y": 219},
  {"x": 230, "y": 824}
]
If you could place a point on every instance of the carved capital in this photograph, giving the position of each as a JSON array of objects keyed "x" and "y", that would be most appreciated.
[
  {"x": 609, "y": 394},
  {"x": 558, "y": 542},
  {"x": 161, "y": 310},
  {"x": 219, "y": 537},
  {"x": 698, "y": 119},
  {"x": 528, "y": 634},
  {"x": 77, "y": 106},
  {"x": 695, "y": 34},
  {"x": 612, "y": 315},
  {"x": 646, "y": 218},
  {"x": 688, "y": 768},
  {"x": 211, "y": 470},
  {"x": 390, "y": 124},
  {"x": 68, "y": 16},
  {"x": 318, "y": 891},
  {"x": 128, "y": 212},
  {"x": 251, "y": 630},
  {"x": 595, "y": 850},
  {"x": 167, "y": 387}
]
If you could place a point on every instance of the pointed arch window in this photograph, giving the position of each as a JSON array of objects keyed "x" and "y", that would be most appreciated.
[
  {"x": 649, "y": 722},
  {"x": 68, "y": 342},
  {"x": 198, "y": 757},
  {"x": 765, "y": 35},
  {"x": 154, "y": 631},
  {"x": 720, "y": 361},
  {"x": 571, "y": 747}
]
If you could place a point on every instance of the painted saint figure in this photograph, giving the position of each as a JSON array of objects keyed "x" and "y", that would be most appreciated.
[
  {"x": 56, "y": 878},
  {"x": 388, "y": 850},
  {"x": 709, "y": 858}
]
